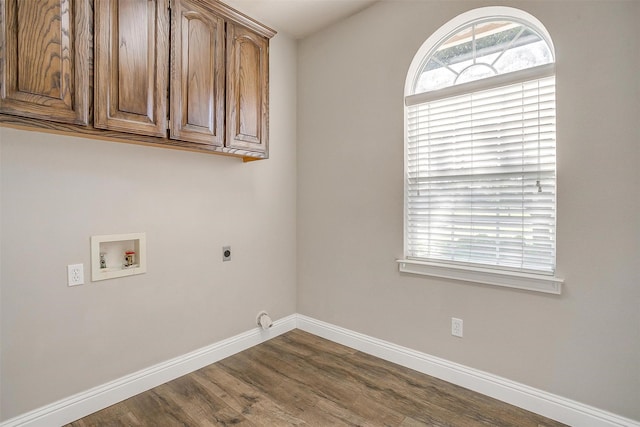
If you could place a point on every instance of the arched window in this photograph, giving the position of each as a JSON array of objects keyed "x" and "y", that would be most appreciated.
[{"x": 480, "y": 135}]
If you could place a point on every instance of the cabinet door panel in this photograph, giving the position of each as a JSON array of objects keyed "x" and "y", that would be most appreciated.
[
  {"x": 197, "y": 74},
  {"x": 45, "y": 45},
  {"x": 247, "y": 89},
  {"x": 132, "y": 54},
  {"x": 198, "y": 71}
]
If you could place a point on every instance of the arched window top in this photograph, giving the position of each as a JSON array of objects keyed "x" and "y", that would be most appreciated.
[{"x": 482, "y": 43}]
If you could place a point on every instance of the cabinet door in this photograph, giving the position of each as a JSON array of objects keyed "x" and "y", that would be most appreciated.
[
  {"x": 45, "y": 47},
  {"x": 132, "y": 65},
  {"x": 197, "y": 74},
  {"x": 247, "y": 89}
]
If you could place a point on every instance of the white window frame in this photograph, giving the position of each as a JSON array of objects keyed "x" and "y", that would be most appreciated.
[{"x": 475, "y": 274}]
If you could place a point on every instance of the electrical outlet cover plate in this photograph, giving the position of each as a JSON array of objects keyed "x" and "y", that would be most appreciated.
[
  {"x": 75, "y": 274},
  {"x": 456, "y": 327}
]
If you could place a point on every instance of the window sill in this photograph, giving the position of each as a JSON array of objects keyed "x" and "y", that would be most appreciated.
[{"x": 509, "y": 279}]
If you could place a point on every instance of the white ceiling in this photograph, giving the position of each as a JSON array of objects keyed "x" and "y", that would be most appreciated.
[{"x": 298, "y": 18}]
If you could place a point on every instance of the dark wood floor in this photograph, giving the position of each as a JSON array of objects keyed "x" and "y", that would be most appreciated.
[{"x": 300, "y": 379}]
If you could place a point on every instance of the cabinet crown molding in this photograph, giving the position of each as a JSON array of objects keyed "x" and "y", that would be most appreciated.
[{"x": 228, "y": 12}]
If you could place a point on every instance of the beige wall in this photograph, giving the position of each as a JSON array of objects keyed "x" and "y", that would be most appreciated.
[
  {"x": 58, "y": 191},
  {"x": 584, "y": 344}
]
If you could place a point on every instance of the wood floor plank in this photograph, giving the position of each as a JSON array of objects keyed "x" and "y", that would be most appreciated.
[
  {"x": 298, "y": 341},
  {"x": 378, "y": 384},
  {"x": 200, "y": 403},
  {"x": 448, "y": 396},
  {"x": 154, "y": 409},
  {"x": 334, "y": 388},
  {"x": 298, "y": 379},
  {"x": 300, "y": 371},
  {"x": 299, "y": 400},
  {"x": 114, "y": 416},
  {"x": 410, "y": 422},
  {"x": 254, "y": 405}
]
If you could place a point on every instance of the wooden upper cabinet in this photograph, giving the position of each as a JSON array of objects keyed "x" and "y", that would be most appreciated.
[
  {"x": 197, "y": 74},
  {"x": 45, "y": 45},
  {"x": 132, "y": 65},
  {"x": 192, "y": 74},
  {"x": 247, "y": 89}
]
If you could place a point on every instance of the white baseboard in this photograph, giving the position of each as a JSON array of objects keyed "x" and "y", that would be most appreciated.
[
  {"x": 549, "y": 405},
  {"x": 546, "y": 404},
  {"x": 82, "y": 404}
]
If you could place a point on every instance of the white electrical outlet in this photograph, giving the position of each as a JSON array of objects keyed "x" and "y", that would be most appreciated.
[
  {"x": 75, "y": 274},
  {"x": 456, "y": 327}
]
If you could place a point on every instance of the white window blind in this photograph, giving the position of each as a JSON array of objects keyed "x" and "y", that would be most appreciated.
[{"x": 480, "y": 178}]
